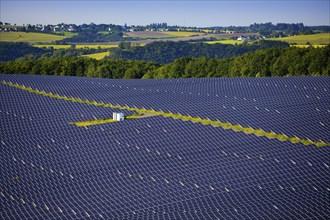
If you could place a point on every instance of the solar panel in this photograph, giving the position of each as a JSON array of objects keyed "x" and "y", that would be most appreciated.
[{"x": 161, "y": 168}]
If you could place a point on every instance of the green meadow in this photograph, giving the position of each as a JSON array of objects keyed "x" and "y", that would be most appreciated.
[
  {"x": 29, "y": 37},
  {"x": 228, "y": 41},
  {"x": 314, "y": 39},
  {"x": 98, "y": 56}
]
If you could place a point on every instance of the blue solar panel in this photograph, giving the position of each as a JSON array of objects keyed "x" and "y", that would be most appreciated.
[{"x": 161, "y": 168}]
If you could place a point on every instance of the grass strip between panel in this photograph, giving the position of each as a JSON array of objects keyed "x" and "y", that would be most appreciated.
[
  {"x": 214, "y": 123},
  {"x": 103, "y": 121}
]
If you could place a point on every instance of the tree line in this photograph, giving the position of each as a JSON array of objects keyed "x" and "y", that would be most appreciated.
[
  {"x": 271, "y": 62},
  {"x": 160, "y": 52},
  {"x": 168, "y": 51},
  {"x": 79, "y": 66},
  {"x": 11, "y": 51},
  {"x": 91, "y": 36}
]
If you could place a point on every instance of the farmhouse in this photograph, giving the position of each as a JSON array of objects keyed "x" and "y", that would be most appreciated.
[
  {"x": 241, "y": 38},
  {"x": 57, "y": 28}
]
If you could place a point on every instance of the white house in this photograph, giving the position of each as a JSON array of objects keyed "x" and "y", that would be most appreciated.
[
  {"x": 71, "y": 28},
  {"x": 57, "y": 29},
  {"x": 241, "y": 38},
  {"x": 118, "y": 116}
]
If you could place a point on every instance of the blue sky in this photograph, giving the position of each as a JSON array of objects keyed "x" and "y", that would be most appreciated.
[{"x": 188, "y": 13}]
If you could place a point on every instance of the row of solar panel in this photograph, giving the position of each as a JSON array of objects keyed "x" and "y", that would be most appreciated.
[
  {"x": 236, "y": 113},
  {"x": 108, "y": 161}
]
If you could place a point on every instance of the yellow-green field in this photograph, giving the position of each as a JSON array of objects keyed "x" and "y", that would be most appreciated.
[
  {"x": 29, "y": 37},
  {"x": 229, "y": 41},
  {"x": 161, "y": 36},
  {"x": 91, "y": 46},
  {"x": 103, "y": 32},
  {"x": 93, "y": 122},
  {"x": 315, "y": 39},
  {"x": 98, "y": 56},
  {"x": 182, "y": 33}
]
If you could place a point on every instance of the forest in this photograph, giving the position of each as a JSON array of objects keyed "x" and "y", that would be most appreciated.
[
  {"x": 270, "y": 62},
  {"x": 159, "y": 52},
  {"x": 168, "y": 51},
  {"x": 89, "y": 37},
  {"x": 273, "y": 62},
  {"x": 79, "y": 66},
  {"x": 12, "y": 51}
]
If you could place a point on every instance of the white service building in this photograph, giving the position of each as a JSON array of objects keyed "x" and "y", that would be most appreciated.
[{"x": 118, "y": 116}]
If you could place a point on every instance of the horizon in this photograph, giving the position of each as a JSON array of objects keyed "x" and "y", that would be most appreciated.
[{"x": 182, "y": 13}]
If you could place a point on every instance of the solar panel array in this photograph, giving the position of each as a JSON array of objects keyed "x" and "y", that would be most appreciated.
[{"x": 161, "y": 168}]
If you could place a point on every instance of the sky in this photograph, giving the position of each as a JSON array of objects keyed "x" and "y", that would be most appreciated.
[{"x": 194, "y": 13}]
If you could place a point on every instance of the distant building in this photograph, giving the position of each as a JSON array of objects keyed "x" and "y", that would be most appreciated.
[
  {"x": 241, "y": 38},
  {"x": 57, "y": 28},
  {"x": 118, "y": 116},
  {"x": 230, "y": 32},
  {"x": 71, "y": 28}
]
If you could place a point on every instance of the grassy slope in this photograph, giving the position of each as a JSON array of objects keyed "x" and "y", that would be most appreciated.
[
  {"x": 97, "y": 56},
  {"x": 29, "y": 37},
  {"x": 315, "y": 39},
  {"x": 67, "y": 33}
]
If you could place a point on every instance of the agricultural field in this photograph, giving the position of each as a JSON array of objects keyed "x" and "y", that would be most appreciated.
[
  {"x": 148, "y": 34},
  {"x": 68, "y": 34},
  {"x": 29, "y": 37},
  {"x": 103, "y": 32},
  {"x": 183, "y": 33},
  {"x": 225, "y": 41},
  {"x": 98, "y": 56},
  {"x": 314, "y": 39},
  {"x": 188, "y": 148},
  {"x": 160, "y": 35}
]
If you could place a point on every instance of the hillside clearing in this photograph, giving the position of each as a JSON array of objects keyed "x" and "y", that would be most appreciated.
[{"x": 98, "y": 56}]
